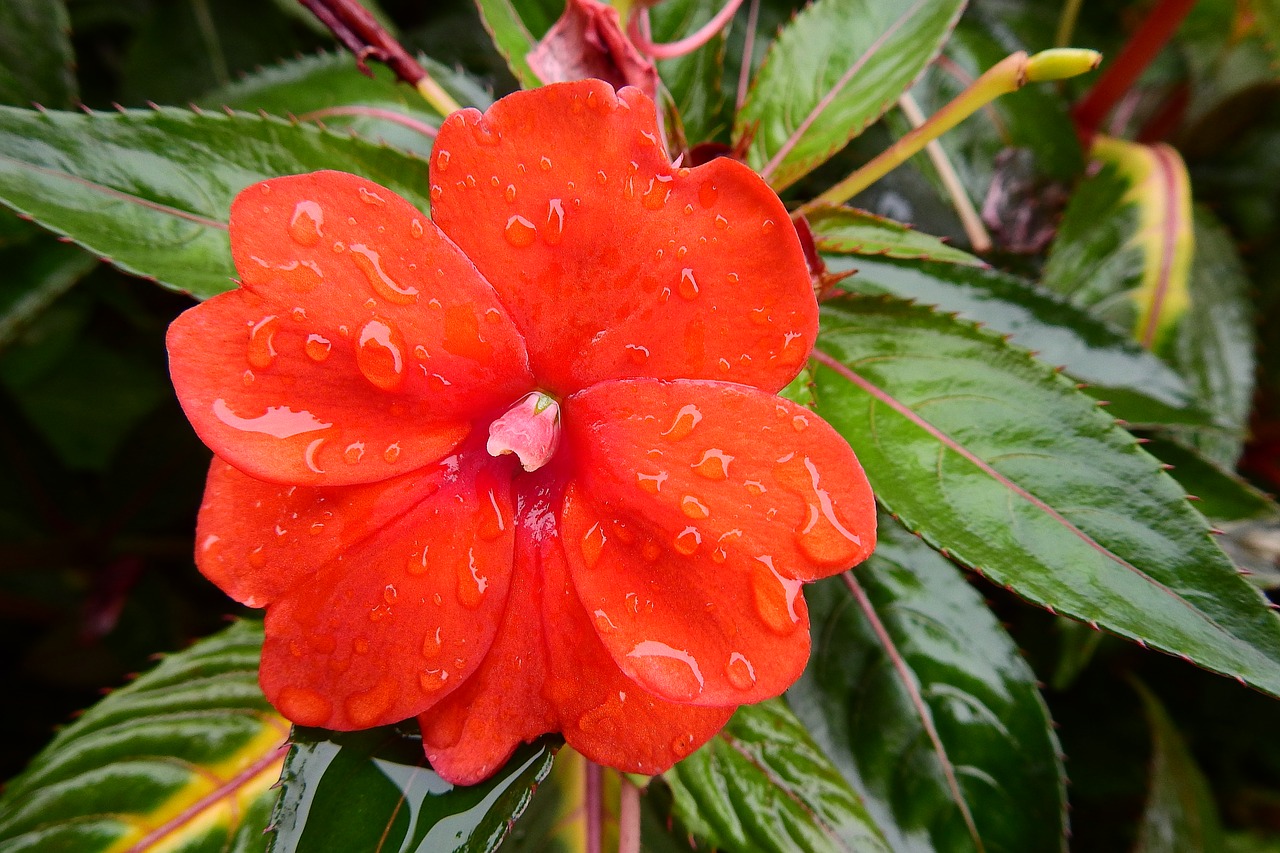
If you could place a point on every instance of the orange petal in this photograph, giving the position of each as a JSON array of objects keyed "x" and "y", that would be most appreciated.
[
  {"x": 604, "y": 714},
  {"x": 398, "y": 620},
  {"x": 361, "y": 345},
  {"x": 547, "y": 671},
  {"x": 717, "y": 469},
  {"x": 688, "y": 627},
  {"x": 613, "y": 262}
]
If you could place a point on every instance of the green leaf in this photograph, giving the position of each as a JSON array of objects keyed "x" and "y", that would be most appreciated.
[
  {"x": 511, "y": 37},
  {"x": 1141, "y": 387},
  {"x": 996, "y": 458},
  {"x": 762, "y": 784},
  {"x": 373, "y": 790},
  {"x": 1181, "y": 815},
  {"x": 1222, "y": 494},
  {"x": 832, "y": 71},
  {"x": 924, "y": 703},
  {"x": 848, "y": 231},
  {"x": 183, "y": 758},
  {"x": 151, "y": 189},
  {"x": 35, "y": 54},
  {"x": 36, "y": 274},
  {"x": 326, "y": 88}
]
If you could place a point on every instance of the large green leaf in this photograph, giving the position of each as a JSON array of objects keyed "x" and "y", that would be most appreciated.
[
  {"x": 35, "y": 54},
  {"x": 151, "y": 189},
  {"x": 35, "y": 274},
  {"x": 762, "y": 784},
  {"x": 511, "y": 37},
  {"x": 996, "y": 458},
  {"x": 183, "y": 758},
  {"x": 924, "y": 703},
  {"x": 326, "y": 88},
  {"x": 373, "y": 790},
  {"x": 1180, "y": 815},
  {"x": 1222, "y": 495},
  {"x": 694, "y": 80},
  {"x": 1141, "y": 387},
  {"x": 848, "y": 231},
  {"x": 832, "y": 71}
]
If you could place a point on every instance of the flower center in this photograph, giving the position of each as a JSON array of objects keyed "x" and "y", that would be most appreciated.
[{"x": 530, "y": 429}]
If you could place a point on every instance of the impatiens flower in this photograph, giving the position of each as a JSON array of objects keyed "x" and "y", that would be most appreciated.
[{"x": 519, "y": 467}]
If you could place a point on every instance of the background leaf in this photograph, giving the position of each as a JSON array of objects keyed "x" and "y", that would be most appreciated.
[
  {"x": 996, "y": 459},
  {"x": 848, "y": 231},
  {"x": 762, "y": 784},
  {"x": 695, "y": 79},
  {"x": 832, "y": 71},
  {"x": 923, "y": 702},
  {"x": 151, "y": 190},
  {"x": 35, "y": 54},
  {"x": 373, "y": 789},
  {"x": 185, "y": 757}
]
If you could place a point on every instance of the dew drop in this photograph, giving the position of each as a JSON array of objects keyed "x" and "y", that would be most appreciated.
[
  {"x": 592, "y": 545},
  {"x": 655, "y": 197},
  {"x": 471, "y": 586},
  {"x": 520, "y": 231},
  {"x": 354, "y": 452},
  {"x": 392, "y": 453},
  {"x": 248, "y": 377},
  {"x": 686, "y": 419},
  {"x": 799, "y": 423},
  {"x": 417, "y": 563},
  {"x": 317, "y": 348},
  {"x": 431, "y": 645},
  {"x": 415, "y": 228},
  {"x": 707, "y": 194},
  {"x": 262, "y": 351},
  {"x": 688, "y": 209},
  {"x": 384, "y": 285},
  {"x": 545, "y": 164},
  {"x": 694, "y": 508},
  {"x": 316, "y": 528},
  {"x": 721, "y": 222},
  {"x": 257, "y": 558},
  {"x": 370, "y": 197},
  {"x": 603, "y": 623},
  {"x": 431, "y": 680},
  {"x": 714, "y": 464},
  {"x": 683, "y": 745},
  {"x": 380, "y": 355},
  {"x": 306, "y": 223},
  {"x": 304, "y": 706},
  {"x": 670, "y": 672},
  {"x": 637, "y": 353},
  {"x": 754, "y": 487},
  {"x": 442, "y": 160},
  {"x": 740, "y": 672},
  {"x": 651, "y": 483},
  {"x": 688, "y": 285},
  {"x": 366, "y": 709},
  {"x": 436, "y": 192},
  {"x": 510, "y": 193},
  {"x": 687, "y": 541},
  {"x": 681, "y": 252},
  {"x": 775, "y": 597},
  {"x": 492, "y": 523},
  {"x": 602, "y": 178},
  {"x": 389, "y": 593},
  {"x": 767, "y": 226},
  {"x": 555, "y": 222}
]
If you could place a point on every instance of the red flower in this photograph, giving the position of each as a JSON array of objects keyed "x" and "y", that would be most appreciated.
[{"x": 641, "y": 579}]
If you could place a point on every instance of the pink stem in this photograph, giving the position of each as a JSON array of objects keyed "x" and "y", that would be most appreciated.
[
  {"x": 748, "y": 47},
  {"x": 595, "y": 806},
  {"x": 628, "y": 818},
  {"x": 372, "y": 112},
  {"x": 688, "y": 44}
]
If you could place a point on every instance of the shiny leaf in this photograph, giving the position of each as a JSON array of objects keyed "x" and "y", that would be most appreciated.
[
  {"x": 37, "y": 273},
  {"x": 848, "y": 231},
  {"x": 924, "y": 703},
  {"x": 1141, "y": 387},
  {"x": 694, "y": 80},
  {"x": 36, "y": 63},
  {"x": 373, "y": 789},
  {"x": 150, "y": 190},
  {"x": 1222, "y": 494},
  {"x": 183, "y": 758},
  {"x": 996, "y": 458},
  {"x": 1181, "y": 815},
  {"x": 762, "y": 784},
  {"x": 511, "y": 38},
  {"x": 832, "y": 71},
  {"x": 324, "y": 89}
]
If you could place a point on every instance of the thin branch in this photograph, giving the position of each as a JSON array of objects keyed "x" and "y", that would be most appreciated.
[
  {"x": 748, "y": 48},
  {"x": 979, "y": 239},
  {"x": 628, "y": 817},
  {"x": 688, "y": 44},
  {"x": 595, "y": 806}
]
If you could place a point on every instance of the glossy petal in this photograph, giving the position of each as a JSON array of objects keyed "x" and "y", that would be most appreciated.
[
  {"x": 397, "y": 621},
  {"x": 723, "y": 469},
  {"x": 548, "y": 671},
  {"x": 360, "y": 346},
  {"x": 613, "y": 262},
  {"x": 704, "y": 627}
]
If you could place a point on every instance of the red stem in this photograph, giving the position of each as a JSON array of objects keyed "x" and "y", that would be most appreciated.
[
  {"x": 595, "y": 806},
  {"x": 361, "y": 34},
  {"x": 1150, "y": 38}
]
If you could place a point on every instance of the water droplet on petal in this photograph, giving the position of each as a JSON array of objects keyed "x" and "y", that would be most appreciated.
[
  {"x": 682, "y": 745},
  {"x": 417, "y": 563},
  {"x": 707, "y": 194},
  {"x": 492, "y": 522},
  {"x": 432, "y": 680},
  {"x": 694, "y": 508},
  {"x": 775, "y": 597},
  {"x": 389, "y": 593},
  {"x": 392, "y": 453},
  {"x": 248, "y": 377},
  {"x": 555, "y": 222},
  {"x": 714, "y": 464},
  {"x": 370, "y": 197},
  {"x": 799, "y": 422},
  {"x": 603, "y": 623},
  {"x": 442, "y": 160},
  {"x": 431, "y": 644},
  {"x": 510, "y": 193},
  {"x": 380, "y": 355},
  {"x": 545, "y": 164},
  {"x": 262, "y": 351},
  {"x": 520, "y": 231},
  {"x": 687, "y": 541},
  {"x": 384, "y": 285},
  {"x": 672, "y": 673},
  {"x": 602, "y": 178},
  {"x": 686, "y": 419},
  {"x": 366, "y": 709},
  {"x": 721, "y": 222},
  {"x": 688, "y": 285},
  {"x": 306, "y": 223},
  {"x": 354, "y": 452},
  {"x": 637, "y": 353},
  {"x": 471, "y": 585},
  {"x": 304, "y": 706},
  {"x": 767, "y": 226},
  {"x": 740, "y": 672},
  {"x": 257, "y": 558},
  {"x": 317, "y": 348},
  {"x": 655, "y": 197},
  {"x": 592, "y": 545},
  {"x": 415, "y": 227},
  {"x": 651, "y": 483},
  {"x": 436, "y": 192}
]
